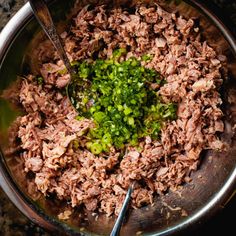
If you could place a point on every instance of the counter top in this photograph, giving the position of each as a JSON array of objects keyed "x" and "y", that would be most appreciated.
[{"x": 12, "y": 222}]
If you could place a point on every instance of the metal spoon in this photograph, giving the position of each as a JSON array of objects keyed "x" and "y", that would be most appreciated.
[
  {"x": 117, "y": 226},
  {"x": 75, "y": 85}
]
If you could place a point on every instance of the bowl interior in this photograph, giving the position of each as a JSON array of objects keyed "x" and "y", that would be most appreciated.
[{"x": 195, "y": 201}]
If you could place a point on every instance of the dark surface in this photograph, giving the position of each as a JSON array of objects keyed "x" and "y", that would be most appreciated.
[{"x": 11, "y": 220}]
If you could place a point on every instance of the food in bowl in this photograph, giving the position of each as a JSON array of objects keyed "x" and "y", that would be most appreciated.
[{"x": 152, "y": 108}]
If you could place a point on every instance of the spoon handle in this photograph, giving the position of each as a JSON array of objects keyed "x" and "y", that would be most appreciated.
[
  {"x": 116, "y": 228},
  {"x": 44, "y": 18}
]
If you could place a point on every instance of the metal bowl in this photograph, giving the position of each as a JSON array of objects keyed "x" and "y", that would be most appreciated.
[{"x": 200, "y": 199}]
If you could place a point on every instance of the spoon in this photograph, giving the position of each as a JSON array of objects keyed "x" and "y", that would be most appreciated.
[
  {"x": 75, "y": 85},
  {"x": 117, "y": 226}
]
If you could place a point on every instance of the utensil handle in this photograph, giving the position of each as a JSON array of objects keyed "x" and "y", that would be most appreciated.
[
  {"x": 116, "y": 228},
  {"x": 43, "y": 16}
]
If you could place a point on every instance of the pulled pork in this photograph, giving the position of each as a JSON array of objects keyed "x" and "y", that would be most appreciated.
[{"x": 52, "y": 141}]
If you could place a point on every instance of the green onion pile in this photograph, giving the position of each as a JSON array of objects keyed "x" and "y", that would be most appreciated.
[{"x": 122, "y": 100}]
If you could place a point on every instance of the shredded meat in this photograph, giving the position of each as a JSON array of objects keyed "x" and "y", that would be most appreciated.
[{"x": 52, "y": 140}]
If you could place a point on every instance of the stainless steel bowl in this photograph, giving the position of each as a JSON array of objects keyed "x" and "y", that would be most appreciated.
[{"x": 201, "y": 198}]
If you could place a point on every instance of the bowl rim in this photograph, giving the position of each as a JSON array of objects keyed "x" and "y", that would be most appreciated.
[{"x": 37, "y": 215}]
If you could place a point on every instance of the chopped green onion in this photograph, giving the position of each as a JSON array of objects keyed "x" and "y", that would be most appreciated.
[
  {"x": 125, "y": 108},
  {"x": 96, "y": 148},
  {"x": 40, "y": 80}
]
